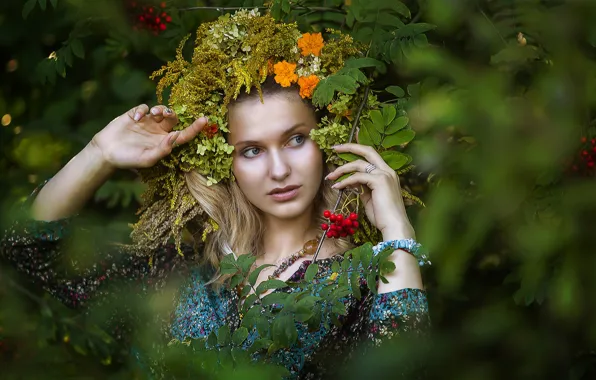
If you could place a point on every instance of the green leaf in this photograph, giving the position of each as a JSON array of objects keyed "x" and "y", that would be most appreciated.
[
  {"x": 411, "y": 30},
  {"x": 223, "y": 335},
  {"x": 314, "y": 322},
  {"x": 43, "y": 4},
  {"x": 355, "y": 285},
  {"x": 240, "y": 335},
  {"x": 284, "y": 331},
  {"x": 228, "y": 268},
  {"x": 259, "y": 345},
  {"x": 378, "y": 121},
  {"x": 212, "y": 339},
  {"x": 399, "y": 138},
  {"x": 364, "y": 137},
  {"x": 274, "y": 298},
  {"x": 245, "y": 291},
  {"x": 340, "y": 292},
  {"x": 394, "y": 159},
  {"x": 349, "y": 157},
  {"x": 285, "y": 6},
  {"x": 263, "y": 327},
  {"x": 396, "y": 90},
  {"x": 54, "y": 3},
  {"x": 396, "y": 125},
  {"x": 248, "y": 302},
  {"x": 343, "y": 83},
  {"x": 335, "y": 267},
  {"x": 372, "y": 131},
  {"x": 389, "y": 113},
  {"x": 77, "y": 48},
  {"x": 245, "y": 262},
  {"x": 396, "y": 6},
  {"x": 270, "y": 284},
  {"x": 357, "y": 63},
  {"x": 387, "y": 267},
  {"x": 254, "y": 275},
  {"x": 354, "y": 73},
  {"x": 339, "y": 308},
  {"x": 28, "y": 7},
  {"x": 371, "y": 280},
  {"x": 311, "y": 272},
  {"x": 388, "y": 19},
  {"x": 236, "y": 280},
  {"x": 240, "y": 355}
]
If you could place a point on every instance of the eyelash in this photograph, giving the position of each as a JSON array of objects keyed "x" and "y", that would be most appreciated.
[{"x": 252, "y": 148}]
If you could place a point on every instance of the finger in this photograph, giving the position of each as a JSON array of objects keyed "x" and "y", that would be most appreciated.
[
  {"x": 354, "y": 166},
  {"x": 163, "y": 149},
  {"x": 368, "y": 152},
  {"x": 157, "y": 113},
  {"x": 171, "y": 119},
  {"x": 358, "y": 179},
  {"x": 138, "y": 112},
  {"x": 191, "y": 131}
]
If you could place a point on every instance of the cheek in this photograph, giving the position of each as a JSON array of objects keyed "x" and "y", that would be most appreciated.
[{"x": 245, "y": 173}]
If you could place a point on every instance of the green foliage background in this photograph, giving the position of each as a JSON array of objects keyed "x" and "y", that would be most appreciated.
[{"x": 498, "y": 115}]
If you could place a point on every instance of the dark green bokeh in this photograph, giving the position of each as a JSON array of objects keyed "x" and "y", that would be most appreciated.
[{"x": 500, "y": 102}]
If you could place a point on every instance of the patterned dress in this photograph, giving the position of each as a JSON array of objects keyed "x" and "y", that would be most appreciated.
[{"x": 37, "y": 249}]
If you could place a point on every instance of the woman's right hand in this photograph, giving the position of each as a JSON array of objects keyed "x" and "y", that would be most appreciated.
[{"x": 141, "y": 137}]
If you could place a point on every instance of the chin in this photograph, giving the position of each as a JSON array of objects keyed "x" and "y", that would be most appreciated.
[{"x": 287, "y": 210}]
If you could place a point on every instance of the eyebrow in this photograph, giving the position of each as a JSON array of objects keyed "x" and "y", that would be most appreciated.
[{"x": 287, "y": 132}]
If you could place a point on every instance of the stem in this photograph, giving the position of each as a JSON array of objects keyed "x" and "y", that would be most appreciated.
[
  {"x": 350, "y": 138},
  {"x": 310, "y": 9}
]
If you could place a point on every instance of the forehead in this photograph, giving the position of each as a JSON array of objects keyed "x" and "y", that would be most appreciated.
[{"x": 253, "y": 120}]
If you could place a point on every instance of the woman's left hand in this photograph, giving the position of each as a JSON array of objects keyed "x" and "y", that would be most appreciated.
[{"x": 381, "y": 195}]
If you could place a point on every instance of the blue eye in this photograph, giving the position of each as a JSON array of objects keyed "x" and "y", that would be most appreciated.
[
  {"x": 298, "y": 140},
  {"x": 251, "y": 152}
]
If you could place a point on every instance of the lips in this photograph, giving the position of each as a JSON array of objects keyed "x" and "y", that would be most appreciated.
[
  {"x": 284, "y": 194},
  {"x": 281, "y": 190}
]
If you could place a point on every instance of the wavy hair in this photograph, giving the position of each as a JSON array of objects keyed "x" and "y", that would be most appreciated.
[{"x": 241, "y": 227}]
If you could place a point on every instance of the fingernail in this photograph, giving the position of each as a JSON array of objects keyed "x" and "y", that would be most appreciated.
[
  {"x": 167, "y": 111},
  {"x": 335, "y": 186},
  {"x": 336, "y": 146},
  {"x": 154, "y": 111},
  {"x": 137, "y": 116}
]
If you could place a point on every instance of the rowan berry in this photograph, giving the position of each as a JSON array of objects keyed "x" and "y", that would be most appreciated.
[
  {"x": 326, "y": 213},
  {"x": 355, "y": 224},
  {"x": 353, "y": 216},
  {"x": 324, "y": 226}
]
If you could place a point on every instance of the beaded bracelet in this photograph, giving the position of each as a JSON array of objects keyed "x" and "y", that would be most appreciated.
[{"x": 409, "y": 245}]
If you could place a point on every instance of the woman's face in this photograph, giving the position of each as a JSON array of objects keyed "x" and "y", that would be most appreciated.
[{"x": 276, "y": 164}]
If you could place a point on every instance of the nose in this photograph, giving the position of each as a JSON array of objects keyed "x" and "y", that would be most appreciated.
[{"x": 279, "y": 166}]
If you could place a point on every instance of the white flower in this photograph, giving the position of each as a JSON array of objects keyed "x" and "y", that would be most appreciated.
[{"x": 294, "y": 49}]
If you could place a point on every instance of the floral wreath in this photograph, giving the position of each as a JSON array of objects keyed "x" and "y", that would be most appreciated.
[{"x": 240, "y": 51}]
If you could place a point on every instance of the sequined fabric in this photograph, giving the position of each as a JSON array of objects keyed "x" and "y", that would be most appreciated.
[{"x": 36, "y": 249}]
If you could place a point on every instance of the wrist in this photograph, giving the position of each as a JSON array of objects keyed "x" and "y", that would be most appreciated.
[
  {"x": 398, "y": 232},
  {"x": 95, "y": 160}
]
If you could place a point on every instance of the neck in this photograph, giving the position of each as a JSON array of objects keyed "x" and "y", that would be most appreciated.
[{"x": 284, "y": 237}]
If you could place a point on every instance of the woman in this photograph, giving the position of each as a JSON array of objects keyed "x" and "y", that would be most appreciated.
[{"x": 281, "y": 185}]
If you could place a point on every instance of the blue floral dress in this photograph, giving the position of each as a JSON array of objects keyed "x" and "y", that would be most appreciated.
[{"x": 36, "y": 249}]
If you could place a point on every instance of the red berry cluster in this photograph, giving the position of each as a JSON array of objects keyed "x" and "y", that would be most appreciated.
[
  {"x": 149, "y": 17},
  {"x": 340, "y": 226},
  {"x": 585, "y": 162}
]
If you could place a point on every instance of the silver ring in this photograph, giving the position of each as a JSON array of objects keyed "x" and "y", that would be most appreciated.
[{"x": 369, "y": 168}]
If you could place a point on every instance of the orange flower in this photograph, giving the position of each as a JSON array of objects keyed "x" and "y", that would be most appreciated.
[
  {"x": 311, "y": 43},
  {"x": 284, "y": 73},
  {"x": 307, "y": 85}
]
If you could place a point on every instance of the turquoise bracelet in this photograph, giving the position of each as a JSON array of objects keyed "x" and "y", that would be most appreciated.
[{"x": 409, "y": 245}]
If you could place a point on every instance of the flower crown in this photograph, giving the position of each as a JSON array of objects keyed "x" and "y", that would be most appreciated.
[{"x": 239, "y": 52}]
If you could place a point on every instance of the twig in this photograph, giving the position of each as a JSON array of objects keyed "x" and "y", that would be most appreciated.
[
  {"x": 312, "y": 9},
  {"x": 350, "y": 138}
]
